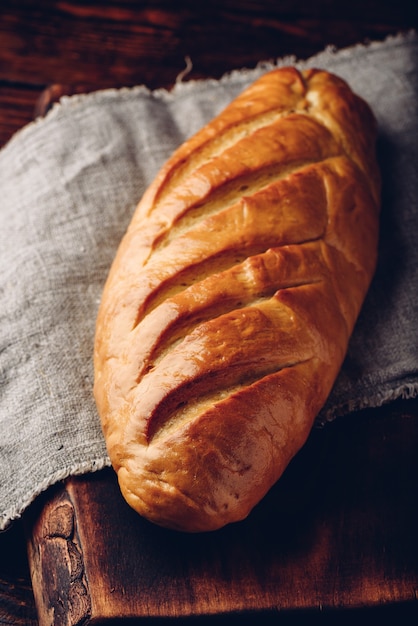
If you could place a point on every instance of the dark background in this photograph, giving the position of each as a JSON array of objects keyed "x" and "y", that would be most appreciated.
[
  {"x": 90, "y": 45},
  {"x": 49, "y": 47}
]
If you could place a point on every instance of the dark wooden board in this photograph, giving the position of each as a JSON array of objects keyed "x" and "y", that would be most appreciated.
[
  {"x": 100, "y": 44},
  {"x": 364, "y": 546},
  {"x": 339, "y": 530}
]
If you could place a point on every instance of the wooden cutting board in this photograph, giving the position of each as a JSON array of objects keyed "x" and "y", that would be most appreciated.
[{"x": 337, "y": 531}]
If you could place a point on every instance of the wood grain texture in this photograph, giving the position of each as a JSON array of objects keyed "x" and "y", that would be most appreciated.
[
  {"x": 100, "y": 44},
  {"x": 58, "y": 571},
  {"x": 339, "y": 530},
  {"x": 58, "y": 46}
]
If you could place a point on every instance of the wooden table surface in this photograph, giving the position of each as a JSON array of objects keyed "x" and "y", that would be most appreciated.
[{"x": 49, "y": 47}]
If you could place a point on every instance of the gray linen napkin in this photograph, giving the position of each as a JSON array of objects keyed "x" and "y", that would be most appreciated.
[{"x": 68, "y": 186}]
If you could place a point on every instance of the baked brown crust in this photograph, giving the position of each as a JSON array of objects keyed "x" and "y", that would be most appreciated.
[{"x": 228, "y": 309}]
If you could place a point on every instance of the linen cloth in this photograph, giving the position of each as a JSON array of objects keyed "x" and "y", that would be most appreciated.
[{"x": 68, "y": 186}]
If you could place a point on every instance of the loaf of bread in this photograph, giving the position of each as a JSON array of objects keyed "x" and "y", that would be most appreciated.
[{"x": 228, "y": 309}]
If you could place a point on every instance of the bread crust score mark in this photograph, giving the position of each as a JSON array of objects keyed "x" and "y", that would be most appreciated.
[{"x": 228, "y": 309}]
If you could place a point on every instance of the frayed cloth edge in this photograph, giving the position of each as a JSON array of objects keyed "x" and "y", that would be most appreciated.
[
  {"x": 181, "y": 87},
  {"x": 15, "y": 512},
  {"x": 405, "y": 391}
]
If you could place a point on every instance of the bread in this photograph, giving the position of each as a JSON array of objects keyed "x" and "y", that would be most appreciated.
[{"x": 229, "y": 306}]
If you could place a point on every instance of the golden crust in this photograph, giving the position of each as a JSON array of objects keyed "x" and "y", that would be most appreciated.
[{"x": 228, "y": 309}]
